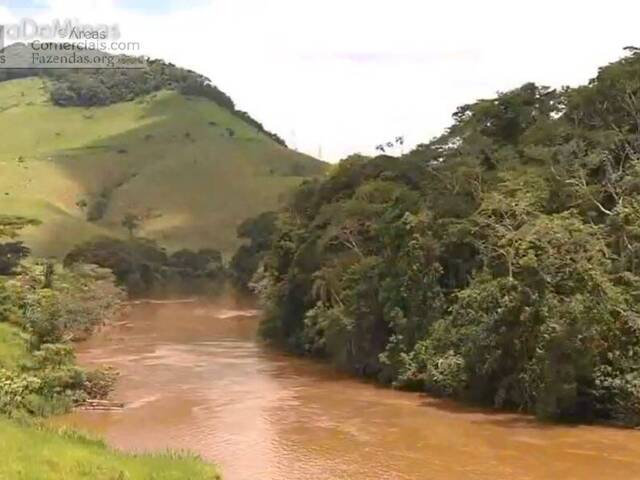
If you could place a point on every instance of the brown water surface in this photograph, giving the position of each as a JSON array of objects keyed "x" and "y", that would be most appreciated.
[{"x": 193, "y": 377}]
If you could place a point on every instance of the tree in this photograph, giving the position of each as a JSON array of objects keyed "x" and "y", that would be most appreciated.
[
  {"x": 258, "y": 231},
  {"x": 11, "y": 253},
  {"x": 49, "y": 272},
  {"x": 131, "y": 222},
  {"x": 498, "y": 262}
]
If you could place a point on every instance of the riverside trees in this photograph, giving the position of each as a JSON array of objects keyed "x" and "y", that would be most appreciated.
[{"x": 497, "y": 263}]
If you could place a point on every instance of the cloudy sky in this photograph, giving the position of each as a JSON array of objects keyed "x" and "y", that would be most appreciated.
[{"x": 340, "y": 76}]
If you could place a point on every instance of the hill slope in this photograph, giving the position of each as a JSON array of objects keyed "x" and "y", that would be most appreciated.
[{"x": 189, "y": 167}]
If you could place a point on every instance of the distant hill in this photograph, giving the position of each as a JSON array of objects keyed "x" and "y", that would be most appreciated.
[{"x": 190, "y": 166}]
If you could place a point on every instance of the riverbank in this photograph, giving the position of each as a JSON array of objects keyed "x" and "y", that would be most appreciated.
[
  {"x": 39, "y": 377},
  {"x": 194, "y": 376},
  {"x": 68, "y": 455}
]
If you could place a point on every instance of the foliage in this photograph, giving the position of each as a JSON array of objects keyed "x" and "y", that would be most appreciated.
[
  {"x": 258, "y": 231},
  {"x": 38, "y": 374},
  {"x": 99, "y": 383},
  {"x": 131, "y": 222},
  {"x": 144, "y": 268},
  {"x": 12, "y": 253},
  {"x": 38, "y": 377},
  {"x": 497, "y": 263}
]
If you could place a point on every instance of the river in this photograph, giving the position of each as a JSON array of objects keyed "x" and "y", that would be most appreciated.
[{"x": 193, "y": 377}]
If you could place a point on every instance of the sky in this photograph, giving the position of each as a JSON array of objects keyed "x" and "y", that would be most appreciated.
[{"x": 335, "y": 77}]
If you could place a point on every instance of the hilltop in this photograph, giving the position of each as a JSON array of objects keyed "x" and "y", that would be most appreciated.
[{"x": 182, "y": 159}]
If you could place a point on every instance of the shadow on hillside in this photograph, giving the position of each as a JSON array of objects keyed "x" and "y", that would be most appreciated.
[{"x": 179, "y": 169}]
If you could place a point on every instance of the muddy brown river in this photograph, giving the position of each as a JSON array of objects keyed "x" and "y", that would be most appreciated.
[{"x": 193, "y": 377}]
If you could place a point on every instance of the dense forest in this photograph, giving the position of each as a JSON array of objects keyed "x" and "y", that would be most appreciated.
[{"x": 498, "y": 263}]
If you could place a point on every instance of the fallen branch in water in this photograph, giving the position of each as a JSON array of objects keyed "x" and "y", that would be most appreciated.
[
  {"x": 145, "y": 300},
  {"x": 101, "y": 405}
]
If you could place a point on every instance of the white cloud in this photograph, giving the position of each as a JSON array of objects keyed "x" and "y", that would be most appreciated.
[{"x": 346, "y": 75}]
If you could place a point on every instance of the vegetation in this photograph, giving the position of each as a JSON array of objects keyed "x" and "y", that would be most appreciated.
[
  {"x": 109, "y": 158},
  {"x": 131, "y": 222},
  {"x": 11, "y": 253},
  {"x": 69, "y": 455},
  {"x": 100, "y": 87},
  {"x": 497, "y": 263},
  {"x": 258, "y": 232},
  {"x": 43, "y": 308},
  {"x": 80, "y": 170},
  {"x": 38, "y": 375},
  {"x": 143, "y": 268}
]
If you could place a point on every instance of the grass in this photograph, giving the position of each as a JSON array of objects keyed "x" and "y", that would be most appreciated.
[
  {"x": 166, "y": 157},
  {"x": 38, "y": 453}
]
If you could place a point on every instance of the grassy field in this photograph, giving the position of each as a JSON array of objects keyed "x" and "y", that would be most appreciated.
[
  {"x": 191, "y": 169},
  {"x": 37, "y": 453}
]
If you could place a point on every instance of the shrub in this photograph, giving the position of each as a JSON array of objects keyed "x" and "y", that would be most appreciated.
[
  {"x": 11, "y": 254},
  {"x": 99, "y": 383},
  {"x": 16, "y": 389},
  {"x": 98, "y": 207}
]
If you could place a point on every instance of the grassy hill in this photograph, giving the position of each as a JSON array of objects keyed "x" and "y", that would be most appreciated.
[{"x": 190, "y": 168}]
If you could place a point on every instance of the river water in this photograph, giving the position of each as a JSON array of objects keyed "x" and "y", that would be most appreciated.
[{"x": 193, "y": 377}]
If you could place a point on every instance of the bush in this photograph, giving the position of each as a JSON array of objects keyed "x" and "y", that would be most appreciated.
[
  {"x": 16, "y": 389},
  {"x": 44, "y": 319},
  {"x": 11, "y": 254},
  {"x": 98, "y": 207},
  {"x": 99, "y": 383},
  {"x": 47, "y": 381}
]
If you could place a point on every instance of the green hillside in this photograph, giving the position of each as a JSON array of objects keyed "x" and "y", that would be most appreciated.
[{"x": 190, "y": 168}]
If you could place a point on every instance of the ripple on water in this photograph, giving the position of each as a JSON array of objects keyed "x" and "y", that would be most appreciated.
[{"x": 193, "y": 377}]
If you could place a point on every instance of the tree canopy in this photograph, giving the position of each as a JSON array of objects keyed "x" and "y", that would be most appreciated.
[
  {"x": 11, "y": 253},
  {"x": 497, "y": 263}
]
